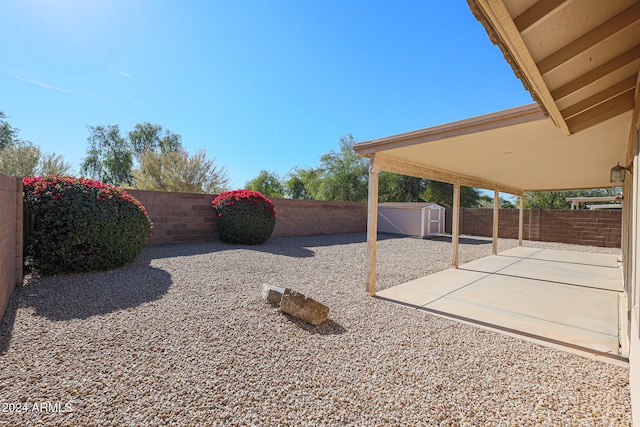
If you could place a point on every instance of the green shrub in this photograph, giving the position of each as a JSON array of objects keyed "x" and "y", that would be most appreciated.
[
  {"x": 244, "y": 216},
  {"x": 82, "y": 225}
]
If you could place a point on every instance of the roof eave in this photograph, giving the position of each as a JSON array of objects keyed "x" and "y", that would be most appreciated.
[
  {"x": 502, "y": 32},
  {"x": 513, "y": 116}
]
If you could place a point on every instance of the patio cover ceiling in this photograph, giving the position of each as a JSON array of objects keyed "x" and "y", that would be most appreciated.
[
  {"x": 578, "y": 58},
  {"x": 510, "y": 151}
]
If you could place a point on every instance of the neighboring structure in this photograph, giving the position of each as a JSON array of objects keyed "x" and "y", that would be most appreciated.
[
  {"x": 579, "y": 60},
  {"x": 604, "y": 206},
  {"x": 575, "y": 202}
]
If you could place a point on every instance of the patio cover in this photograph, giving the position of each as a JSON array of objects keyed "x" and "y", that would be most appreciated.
[
  {"x": 580, "y": 61},
  {"x": 510, "y": 151}
]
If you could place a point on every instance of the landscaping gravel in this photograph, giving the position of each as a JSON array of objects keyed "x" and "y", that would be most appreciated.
[{"x": 182, "y": 337}]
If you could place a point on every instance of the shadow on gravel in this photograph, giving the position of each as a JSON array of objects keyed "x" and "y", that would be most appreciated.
[
  {"x": 297, "y": 247},
  {"x": 328, "y": 327},
  {"x": 83, "y": 295},
  {"x": 462, "y": 240},
  {"x": 6, "y": 326}
]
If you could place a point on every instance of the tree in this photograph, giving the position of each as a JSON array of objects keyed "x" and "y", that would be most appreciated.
[
  {"x": 400, "y": 188},
  {"x": 311, "y": 183},
  {"x": 176, "y": 170},
  {"x": 506, "y": 204},
  {"x": 442, "y": 194},
  {"x": 344, "y": 175},
  {"x": 486, "y": 201},
  {"x": 557, "y": 199},
  {"x": 267, "y": 183},
  {"x": 295, "y": 187},
  {"x": 109, "y": 156},
  {"x": 7, "y": 133},
  {"x": 145, "y": 137},
  {"x": 53, "y": 164},
  {"x": 22, "y": 158}
]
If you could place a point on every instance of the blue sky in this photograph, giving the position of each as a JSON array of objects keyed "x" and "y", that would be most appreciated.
[{"x": 259, "y": 84}]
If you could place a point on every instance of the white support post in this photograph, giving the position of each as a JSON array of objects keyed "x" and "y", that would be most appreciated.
[
  {"x": 521, "y": 221},
  {"x": 496, "y": 209},
  {"x": 372, "y": 225},
  {"x": 455, "y": 225}
]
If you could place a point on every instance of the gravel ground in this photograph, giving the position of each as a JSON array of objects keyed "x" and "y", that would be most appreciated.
[{"x": 182, "y": 337}]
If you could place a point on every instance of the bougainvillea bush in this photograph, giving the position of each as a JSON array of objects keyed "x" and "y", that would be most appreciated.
[
  {"x": 244, "y": 216},
  {"x": 82, "y": 224}
]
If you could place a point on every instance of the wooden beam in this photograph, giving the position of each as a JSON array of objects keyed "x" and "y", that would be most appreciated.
[
  {"x": 372, "y": 225},
  {"x": 404, "y": 168},
  {"x": 597, "y": 73},
  {"x": 635, "y": 125},
  {"x": 496, "y": 18},
  {"x": 606, "y": 110},
  {"x": 520, "y": 221},
  {"x": 600, "y": 97},
  {"x": 455, "y": 225},
  {"x": 536, "y": 13},
  {"x": 496, "y": 210},
  {"x": 590, "y": 39}
]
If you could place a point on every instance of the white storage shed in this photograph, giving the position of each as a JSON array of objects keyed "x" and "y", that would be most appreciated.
[{"x": 412, "y": 219}]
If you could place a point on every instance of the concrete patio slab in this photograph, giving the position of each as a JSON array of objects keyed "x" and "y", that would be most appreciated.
[
  {"x": 425, "y": 290},
  {"x": 490, "y": 264},
  {"x": 604, "y": 260},
  {"x": 573, "y": 299},
  {"x": 593, "y": 276},
  {"x": 521, "y": 252}
]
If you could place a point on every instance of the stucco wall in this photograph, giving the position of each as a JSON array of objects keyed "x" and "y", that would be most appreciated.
[{"x": 10, "y": 238}]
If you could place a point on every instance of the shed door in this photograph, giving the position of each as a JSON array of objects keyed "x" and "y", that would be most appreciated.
[{"x": 435, "y": 220}]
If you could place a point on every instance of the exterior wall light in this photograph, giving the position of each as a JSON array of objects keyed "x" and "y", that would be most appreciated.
[{"x": 618, "y": 173}]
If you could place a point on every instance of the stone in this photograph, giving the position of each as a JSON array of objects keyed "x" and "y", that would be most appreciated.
[
  {"x": 273, "y": 294},
  {"x": 306, "y": 309}
]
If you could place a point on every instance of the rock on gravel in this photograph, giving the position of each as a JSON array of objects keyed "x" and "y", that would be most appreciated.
[
  {"x": 304, "y": 308},
  {"x": 181, "y": 337},
  {"x": 272, "y": 294}
]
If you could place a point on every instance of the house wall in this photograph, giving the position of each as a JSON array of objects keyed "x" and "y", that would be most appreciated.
[
  {"x": 632, "y": 274},
  {"x": 10, "y": 238},
  {"x": 188, "y": 217},
  {"x": 582, "y": 227}
]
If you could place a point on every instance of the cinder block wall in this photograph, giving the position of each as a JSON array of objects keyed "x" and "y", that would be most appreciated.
[
  {"x": 309, "y": 217},
  {"x": 187, "y": 217},
  {"x": 582, "y": 227},
  {"x": 179, "y": 217},
  {"x": 10, "y": 238},
  {"x": 479, "y": 222}
]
